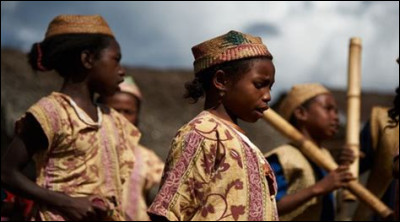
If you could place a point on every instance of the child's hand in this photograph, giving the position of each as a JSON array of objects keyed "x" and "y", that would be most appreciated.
[
  {"x": 100, "y": 206},
  {"x": 347, "y": 156},
  {"x": 336, "y": 179},
  {"x": 83, "y": 209}
]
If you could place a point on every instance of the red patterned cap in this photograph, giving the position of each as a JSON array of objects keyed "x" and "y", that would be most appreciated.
[{"x": 231, "y": 46}]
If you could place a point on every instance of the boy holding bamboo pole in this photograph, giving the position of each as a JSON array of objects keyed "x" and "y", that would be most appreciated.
[{"x": 305, "y": 190}]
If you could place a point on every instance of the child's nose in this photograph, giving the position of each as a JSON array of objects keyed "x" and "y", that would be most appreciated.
[
  {"x": 122, "y": 72},
  {"x": 267, "y": 96},
  {"x": 335, "y": 116}
]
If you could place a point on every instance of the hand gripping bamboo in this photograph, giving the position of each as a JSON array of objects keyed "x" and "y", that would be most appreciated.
[{"x": 310, "y": 150}]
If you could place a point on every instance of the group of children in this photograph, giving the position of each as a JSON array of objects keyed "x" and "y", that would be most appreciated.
[{"x": 90, "y": 165}]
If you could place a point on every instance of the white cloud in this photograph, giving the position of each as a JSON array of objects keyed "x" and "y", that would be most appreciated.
[{"x": 27, "y": 36}]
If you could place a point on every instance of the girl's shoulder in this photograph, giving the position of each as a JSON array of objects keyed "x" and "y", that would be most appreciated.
[
  {"x": 54, "y": 99},
  {"x": 209, "y": 127},
  {"x": 52, "y": 106}
]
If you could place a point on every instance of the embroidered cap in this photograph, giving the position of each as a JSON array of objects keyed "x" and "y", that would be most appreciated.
[
  {"x": 78, "y": 24},
  {"x": 231, "y": 46}
]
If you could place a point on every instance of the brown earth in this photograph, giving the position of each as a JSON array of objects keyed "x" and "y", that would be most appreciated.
[{"x": 163, "y": 111}]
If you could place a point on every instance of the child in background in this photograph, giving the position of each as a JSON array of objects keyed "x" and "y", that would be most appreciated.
[
  {"x": 394, "y": 115},
  {"x": 379, "y": 142},
  {"x": 304, "y": 189},
  {"x": 396, "y": 175},
  {"x": 146, "y": 175}
]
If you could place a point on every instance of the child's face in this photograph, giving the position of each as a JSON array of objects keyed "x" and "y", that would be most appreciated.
[
  {"x": 247, "y": 98},
  {"x": 107, "y": 72},
  {"x": 322, "y": 117},
  {"x": 124, "y": 103}
]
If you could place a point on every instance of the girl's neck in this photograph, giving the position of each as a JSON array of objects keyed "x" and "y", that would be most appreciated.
[
  {"x": 219, "y": 110},
  {"x": 221, "y": 114},
  {"x": 228, "y": 122},
  {"x": 78, "y": 91},
  {"x": 82, "y": 96}
]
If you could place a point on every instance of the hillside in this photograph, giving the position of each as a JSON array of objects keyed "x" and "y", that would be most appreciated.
[{"x": 164, "y": 110}]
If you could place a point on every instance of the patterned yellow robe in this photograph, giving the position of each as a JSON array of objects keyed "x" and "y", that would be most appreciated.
[
  {"x": 385, "y": 141},
  {"x": 84, "y": 157},
  {"x": 397, "y": 189},
  {"x": 146, "y": 174},
  {"x": 213, "y": 174},
  {"x": 299, "y": 174}
]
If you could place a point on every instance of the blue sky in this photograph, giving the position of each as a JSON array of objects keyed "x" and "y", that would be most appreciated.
[{"x": 309, "y": 40}]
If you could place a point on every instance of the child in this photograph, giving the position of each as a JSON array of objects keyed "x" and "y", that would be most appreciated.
[
  {"x": 304, "y": 189},
  {"x": 213, "y": 171},
  {"x": 83, "y": 152},
  {"x": 379, "y": 141},
  {"x": 148, "y": 168},
  {"x": 394, "y": 115},
  {"x": 396, "y": 176}
]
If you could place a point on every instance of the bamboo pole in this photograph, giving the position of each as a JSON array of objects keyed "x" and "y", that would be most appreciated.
[
  {"x": 353, "y": 109},
  {"x": 312, "y": 151}
]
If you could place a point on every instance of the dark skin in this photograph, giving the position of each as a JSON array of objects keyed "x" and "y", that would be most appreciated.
[
  {"x": 126, "y": 104},
  {"x": 101, "y": 75},
  {"x": 319, "y": 122},
  {"x": 245, "y": 97},
  {"x": 396, "y": 168}
]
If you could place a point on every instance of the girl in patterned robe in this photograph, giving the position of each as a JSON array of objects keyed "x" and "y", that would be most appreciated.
[
  {"x": 213, "y": 171},
  {"x": 83, "y": 151}
]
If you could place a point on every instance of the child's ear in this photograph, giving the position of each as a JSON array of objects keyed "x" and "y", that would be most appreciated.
[
  {"x": 300, "y": 113},
  {"x": 220, "y": 80},
  {"x": 87, "y": 59}
]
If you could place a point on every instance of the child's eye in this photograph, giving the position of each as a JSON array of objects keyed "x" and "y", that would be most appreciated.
[
  {"x": 263, "y": 84},
  {"x": 118, "y": 58},
  {"x": 331, "y": 108},
  {"x": 258, "y": 85}
]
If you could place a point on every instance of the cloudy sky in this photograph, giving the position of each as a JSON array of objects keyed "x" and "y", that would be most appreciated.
[{"x": 309, "y": 40}]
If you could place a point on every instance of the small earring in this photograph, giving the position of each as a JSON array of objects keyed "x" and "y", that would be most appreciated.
[{"x": 221, "y": 93}]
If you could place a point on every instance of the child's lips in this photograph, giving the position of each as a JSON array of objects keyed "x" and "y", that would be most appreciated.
[
  {"x": 334, "y": 127},
  {"x": 119, "y": 83},
  {"x": 262, "y": 109}
]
